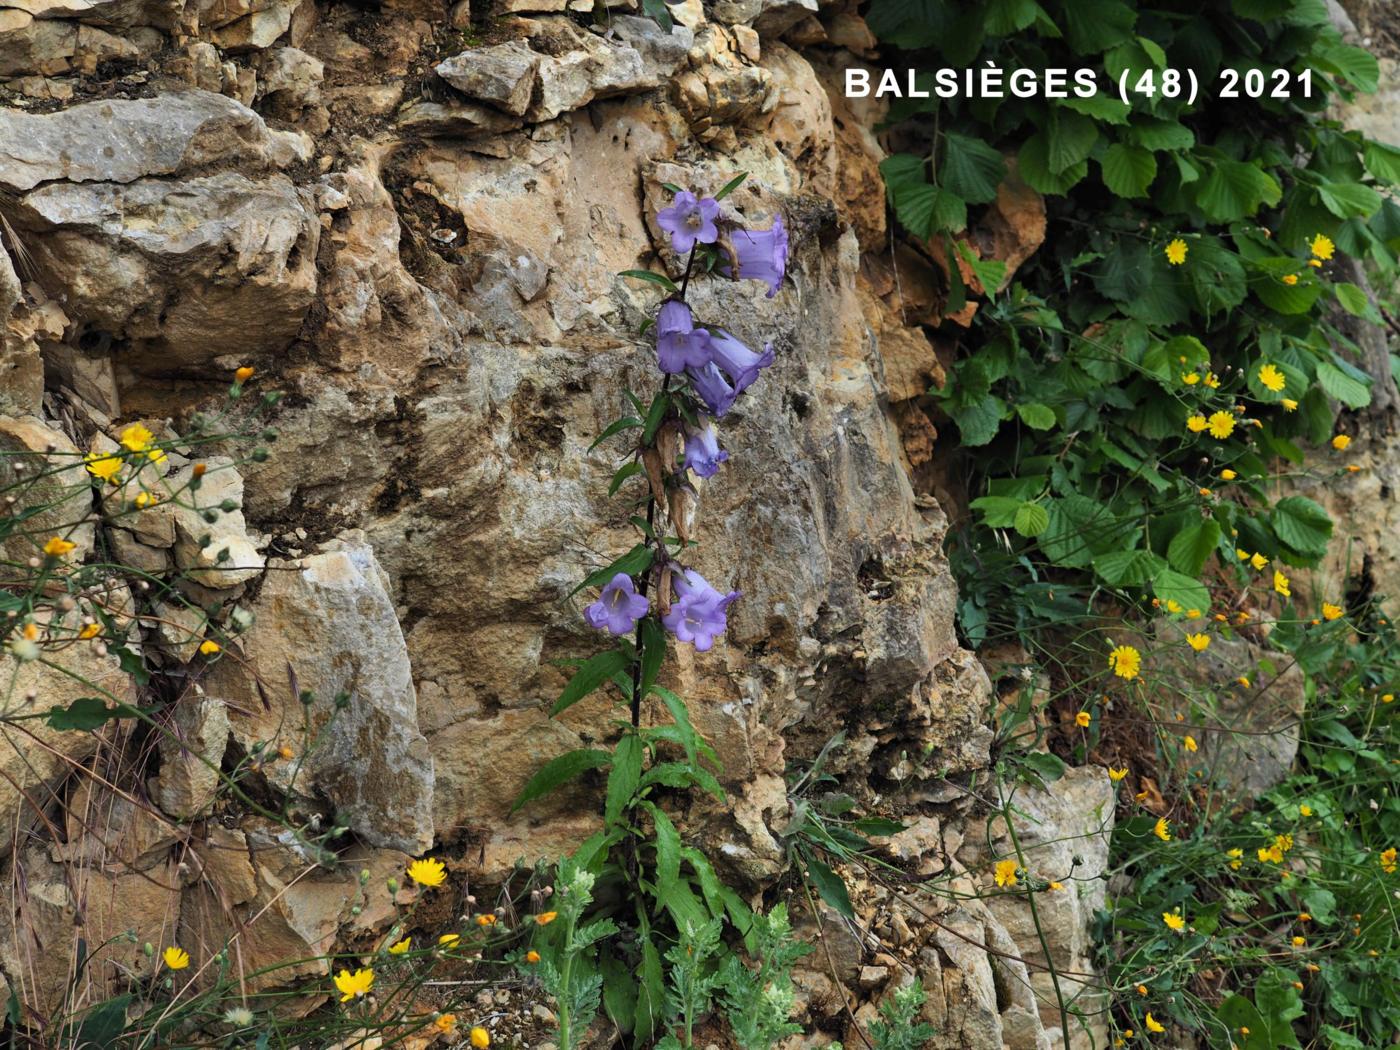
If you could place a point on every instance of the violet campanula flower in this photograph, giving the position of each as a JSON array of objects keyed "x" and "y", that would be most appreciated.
[
  {"x": 760, "y": 255},
  {"x": 689, "y": 220},
  {"x": 699, "y": 613},
  {"x": 711, "y": 387},
  {"x": 739, "y": 363},
  {"x": 619, "y": 607},
  {"x": 702, "y": 452},
  {"x": 679, "y": 344}
]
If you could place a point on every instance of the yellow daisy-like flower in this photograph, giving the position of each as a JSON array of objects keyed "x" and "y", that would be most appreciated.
[
  {"x": 1289, "y": 405},
  {"x": 104, "y": 467},
  {"x": 57, "y": 547},
  {"x": 1191, "y": 378},
  {"x": 486, "y": 920},
  {"x": 1330, "y": 611},
  {"x": 1005, "y": 873},
  {"x": 1173, "y": 606},
  {"x": 1153, "y": 1026},
  {"x": 1236, "y": 858},
  {"x": 481, "y": 1038},
  {"x": 1389, "y": 861},
  {"x": 353, "y": 985},
  {"x": 532, "y": 957},
  {"x": 91, "y": 630},
  {"x": 243, "y": 374},
  {"x": 1116, "y": 775},
  {"x": 1340, "y": 442},
  {"x": 449, "y": 940},
  {"x": 1299, "y": 942},
  {"x": 1269, "y": 854},
  {"x": 1290, "y": 279},
  {"x": 1162, "y": 829},
  {"x": 1196, "y": 424},
  {"x": 175, "y": 957},
  {"x": 401, "y": 947},
  {"x": 446, "y": 1023},
  {"x": 1305, "y": 810},
  {"x": 1281, "y": 584},
  {"x": 138, "y": 439},
  {"x": 1322, "y": 247},
  {"x": 1241, "y": 554},
  {"x": 1190, "y": 743},
  {"x": 209, "y": 647},
  {"x": 1258, "y": 561},
  {"x": 1125, "y": 661},
  {"x": 1173, "y": 921},
  {"x": 1083, "y": 719},
  {"x": 428, "y": 872},
  {"x": 1212, "y": 381},
  {"x": 544, "y": 918},
  {"x": 1055, "y": 885},
  {"x": 1199, "y": 642},
  {"x": 1387, "y": 698},
  {"x": 1272, "y": 379},
  {"x": 1228, "y": 475},
  {"x": 1176, "y": 252}
]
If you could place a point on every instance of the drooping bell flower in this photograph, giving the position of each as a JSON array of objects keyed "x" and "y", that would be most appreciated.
[
  {"x": 760, "y": 255},
  {"x": 618, "y": 608},
  {"x": 702, "y": 452},
  {"x": 679, "y": 344},
  {"x": 711, "y": 387},
  {"x": 699, "y": 613},
  {"x": 688, "y": 220},
  {"x": 739, "y": 363}
]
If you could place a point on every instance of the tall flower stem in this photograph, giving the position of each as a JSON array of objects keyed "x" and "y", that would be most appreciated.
[{"x": 644, "y": 581}]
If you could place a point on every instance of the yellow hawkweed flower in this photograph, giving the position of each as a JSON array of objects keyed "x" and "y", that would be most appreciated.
[
  {"x": 449, "y": 940},
  {"x": 486, "y": 920},
  {"x": 1142, "y": 988},
  {"x": 57, "y": 547},
  {"x": 209, "y": 647},
  {"x": 1176, "y": 252},
  {"x": 1258, "y": 561},
  {"x": 1340, "y": 442},
  {"x": 1173, "y": 606},
  {"x": 544, "y": 918},
  {"x": 1388, "y": 861},
  {"x": 1005, "y": 873},
  {"x": 1191, "y": 378},
  {"x": 446, "y": 1023},
  {"x": 1204, "y": 491},
  {"x": 353, "y": 985},
  {"x": 1330, "y": 611},
  {"x": 1272, "y": 379},
  {"x": 1289, "y": 405},
  {"x": 1083, "y": 719},
  {"x": 1190, "y": 743},
  {"x": 1174, "y": 921},
  {"x": 1322, "y": 247},
  {"x": 1290, "y": 279},
  {"x": 1241, "y": 554},
  {"x": 1352, "y": 468},
  {"x": 1228, "y": 475},
  {"x": 242, "y": 376},
  {"x": 1281, "y": 584},
  {"x": 428, "y": 872},
  {"x": 481, "y": 1038},
  {"x": 401, "y": 947},
  {"x": 1387, "y": 698},
  {"x": 1299, "y": 942},
  {"x": 104, "y": 467},
  {"x": 1305, "y": 810},
  {"x": 1161, "y": 829},
  {"x": 532, "y": 957},
  {"x": 1235, "y": 856},
  {"x": 1196, "y": 424},
  {"x": 138, "y": 439},
  {"x": 91, "y": 630},
  {"x": 1116, "y": 775},
  {"x": 1125, "y": 661},
  {"x": 176, "y": 958},
  {"x": 1199, "y": 642},
  {"x": 1304, "y": 917},
  {"x": 1212, "y": 381},
  {"x": 1153, "y": 1026}
]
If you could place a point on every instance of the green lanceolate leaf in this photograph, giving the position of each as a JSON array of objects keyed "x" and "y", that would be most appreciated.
[
  {"x": 595, "y": 671},
  {"x": 559, "y": 771},
  {"x": 732, "y": 185},
  {"x": 617, "y": 426},
  {"x": 655, "y": 415},
  {"x": 625, "y": 776},
  {"x": 830, "y": 887},
  {"x": 620, "y": 476},
  {"x": 653, "y": 278},
  {"x": 633, "y": 563},
  {"x": 653, "y": 652}
]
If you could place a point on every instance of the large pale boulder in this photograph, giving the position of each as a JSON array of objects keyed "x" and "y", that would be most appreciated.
[{"x": 326, "y": 622}]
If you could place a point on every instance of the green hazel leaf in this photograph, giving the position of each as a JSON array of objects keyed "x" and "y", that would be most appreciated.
[
  {"x": 732, "y": 185},
  {"x": 559, "y": 771},
  {"x": 1382, "y": 161},
  {"x": 1033, "y": 165},
  {"x": 1005, "y": 17},
  {"x": 1235, "y": 190},
  {"x": 626, "y": 774},
  {"x": 1128, "y": 170},
  {"x": 1348, "y": 200},
  {"x": 971, "y": 169},
  {"x": 1170, "y": 585},
  {"x": 1287, "y": 299},
  {"x": 1192, "y": 546},
  {"x": 1036, "y": 416},
  {"x": 654, "y": 278},
  {"x": 830, "y": 887},
  {"x": 1351, "y": 392},
  {"x": 1128, "y": 568},
  {"x": 595, "y": 671},
  {"x": 1239, "y": 1015},
  {"x": 998, "y": 512},
  {"x": 1102, "y": 107},
  {"x": 1092, "y": 26},
  {"x": 1158, "y": 133},
  {"x": 1301, "y": 524},
  {"x": 990, "y": 272},
  {"x": 1031, "y": 519},
  {"x": 1072, "y": 137},
  {"x": 1360, "y": 68},
  {"x": 979, "y": 422}
]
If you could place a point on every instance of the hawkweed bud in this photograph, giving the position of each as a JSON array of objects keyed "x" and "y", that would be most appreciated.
[
  {"x": 148, "y": 949},
  {"x": 228, "y": 506},
  {"x": 356, "y": 910},
  {"x": 307, "y": 696},
  {"x": 259, "y": 455},
  {"x": 393, "y": 885},
  {"x": 364, "y": 876},
  {"x": 211, "y": 515}
]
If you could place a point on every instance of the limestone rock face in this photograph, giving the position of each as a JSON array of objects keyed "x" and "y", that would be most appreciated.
[{"x": 328, "y": 618}]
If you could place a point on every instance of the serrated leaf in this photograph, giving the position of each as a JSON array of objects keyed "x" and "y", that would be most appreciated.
[
  {"x": 1072, "y": 137},
  {"x": 1348, "y": 200},
  {"x": 1235, "y": 190},
  {"x": 1031, "y": 519},
  {"x": 1301, "y": 524},
  {"x": 86, "y": 714},
  {"x": 971, "y": 169},
  {"x": 626, "y": 774},
  {"x": 559, "y": 771},
  {"x": 1036, "y": 416},
  {"x": 1128, "y": 568},
  {"x": 1170, "y": 585},
  {"x": 1351, "y": 392},
  {"x": 1033, "y": 165},
  {"x": 595, "y": 671},
  {"x": 1128, "y": 170},
  {"x": 998, "y": 512},
  {"x": 1192, "y": 546}
]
